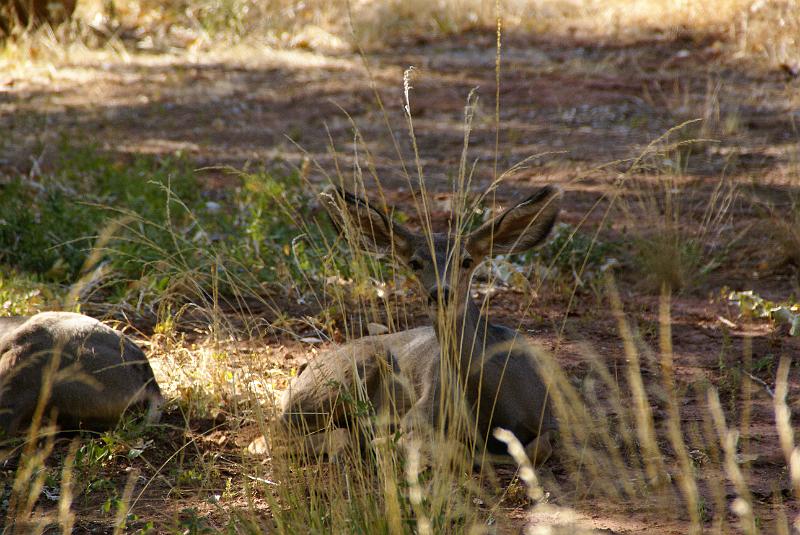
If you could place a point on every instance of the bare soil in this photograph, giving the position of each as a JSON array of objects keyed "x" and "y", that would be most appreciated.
[{"x": 588, "y": 104}]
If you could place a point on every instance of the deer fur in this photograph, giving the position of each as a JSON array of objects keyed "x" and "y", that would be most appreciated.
[{"x": 89, "y": 373}]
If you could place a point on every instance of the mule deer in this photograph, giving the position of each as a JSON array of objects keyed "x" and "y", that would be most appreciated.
[
  {"x": 88, "y": 372},
  {"x": 410, "y": 371}
]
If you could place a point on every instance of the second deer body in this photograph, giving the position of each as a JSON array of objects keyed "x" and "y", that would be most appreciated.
[
  {"x": 88, "y": 372},
  {"x": 463, "y": 356}
]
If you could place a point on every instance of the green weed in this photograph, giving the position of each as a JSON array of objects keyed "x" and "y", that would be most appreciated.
[
  {"x": 753, "y": 305},
  {"x": 49, "y": 226},
  {"x": 141, "y": 231},
  {"x": 576, "y": 254}
]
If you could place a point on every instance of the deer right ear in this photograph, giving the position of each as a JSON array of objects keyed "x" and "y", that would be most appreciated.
[
  {"x": 366, "y": 225},
  {"x": 519, "y": 228}
]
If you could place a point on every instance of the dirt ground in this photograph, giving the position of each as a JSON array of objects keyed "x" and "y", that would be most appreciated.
[{"x": 587, "y": 103}]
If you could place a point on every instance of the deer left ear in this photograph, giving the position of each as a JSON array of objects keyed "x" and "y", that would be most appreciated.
[
  {"x": 519, "y": 228},
  {"x": 373, "y": 229}
]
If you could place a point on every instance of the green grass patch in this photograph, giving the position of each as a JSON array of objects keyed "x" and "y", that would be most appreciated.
[
  {"x": 49, "y": 226},
  {"x": 144, "y": 230}
]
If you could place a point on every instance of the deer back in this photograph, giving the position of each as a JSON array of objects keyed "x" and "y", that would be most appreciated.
[{"x": 96, "y": 371}]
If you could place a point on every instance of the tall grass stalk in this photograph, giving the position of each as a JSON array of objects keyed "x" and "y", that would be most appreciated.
[
  {"x": 653, "y": 460},
  {"x": 743, "y": 504},
  {"x": 686, "y": 473}
]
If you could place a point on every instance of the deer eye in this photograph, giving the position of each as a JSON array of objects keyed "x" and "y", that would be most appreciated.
[
  {"x": 415, "y": 264},
  {"x": 466, "y": 262}
]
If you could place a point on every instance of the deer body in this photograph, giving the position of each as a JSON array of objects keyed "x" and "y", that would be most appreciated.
[
  {"x": 88, "y": 372},
  {"x": 367, "y": 361},
  {"x": 408, "y": 372}
]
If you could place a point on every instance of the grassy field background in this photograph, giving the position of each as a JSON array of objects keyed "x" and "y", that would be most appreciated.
[{"x": 159, "y": 169}]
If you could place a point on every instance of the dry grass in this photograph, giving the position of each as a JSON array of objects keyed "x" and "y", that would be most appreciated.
[
  {"x": 765, "y": 32},
  {"x": 683, "y": 238}
]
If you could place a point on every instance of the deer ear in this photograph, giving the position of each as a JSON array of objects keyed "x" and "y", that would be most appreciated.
[
  {"x": 520, "y": 227},
  {"x": 367, "y": 225}
]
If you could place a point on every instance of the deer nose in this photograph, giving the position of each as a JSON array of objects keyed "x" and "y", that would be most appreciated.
[{"x": 433, "y": 296}]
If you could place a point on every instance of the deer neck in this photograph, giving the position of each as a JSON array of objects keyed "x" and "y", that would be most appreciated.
[{"x": 463, "y": 338}]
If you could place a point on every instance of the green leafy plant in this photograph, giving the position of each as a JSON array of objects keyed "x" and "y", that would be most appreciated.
[{"x": 755, "y": 306}]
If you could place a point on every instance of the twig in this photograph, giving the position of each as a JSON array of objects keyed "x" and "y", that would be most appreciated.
[{"x": 763, "y": 383}]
